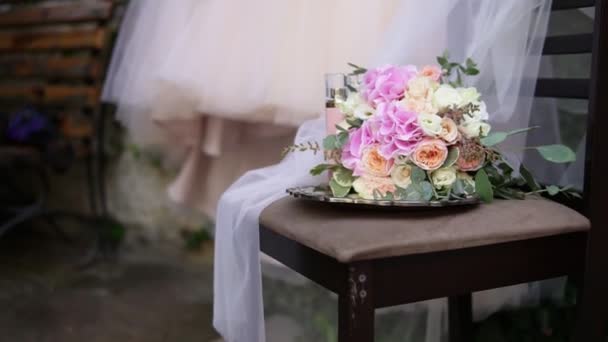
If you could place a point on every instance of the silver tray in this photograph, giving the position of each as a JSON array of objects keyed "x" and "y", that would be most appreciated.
[{"x": 318, "y": 194}]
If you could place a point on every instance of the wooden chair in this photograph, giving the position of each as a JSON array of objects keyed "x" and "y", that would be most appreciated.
[
  {"x": 373, "y": 260},
  {"x": 53, "y": 56}
]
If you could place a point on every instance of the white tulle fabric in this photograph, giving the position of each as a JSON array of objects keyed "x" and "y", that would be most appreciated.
[{"x": 504, "y": 37}]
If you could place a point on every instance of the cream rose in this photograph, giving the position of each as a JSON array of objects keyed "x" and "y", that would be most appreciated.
[
  {"x": 479, "y": 115},
  {"x": 474, "y": 129},
  {"x": 449, "y": 131},
  {"x": 366, "y": 185},
  {"x": 444, "y": 177},
  {"x": 468, "y": 95},
  {"x": 401, "y": 176},
  {"x": 373, "y": 164},
  {"x": 430, "y": 124},
  {"x": 446, "y": 96},
  {"x": 421, "y": 87},
  {"x": 430, "y": 154}
]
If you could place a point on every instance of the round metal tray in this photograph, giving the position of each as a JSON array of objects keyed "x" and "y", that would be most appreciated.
[{"x": 319, "y": 194}]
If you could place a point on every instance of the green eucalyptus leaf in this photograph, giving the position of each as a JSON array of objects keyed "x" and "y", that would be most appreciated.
[
  {"x": 418, "y": 175},
  {"x": 341, "y": 139},
  {"x": 552, "y": 190},
  {"x": 458, "y": 187},
  {"x": 344, "y": 177},
  {"x": 338, "y": 190},
  {"x": 494, "y": 138},
  {"x": 329, "y": 143},
  {"x": 317, "y": 170},
  {"x": 527, "y": 176},
  {"x": 354, "y": 122},
  {"x": 483, "y": 186},
  {"x": 452, "y": 157},
  {"x": 426, "y": 190},
  {"x": 556, "y": 153},
  {"x": 442, "y": 60}
]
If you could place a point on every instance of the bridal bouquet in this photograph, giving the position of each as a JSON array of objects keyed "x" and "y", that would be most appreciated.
[{"x": 418, "y": 134}]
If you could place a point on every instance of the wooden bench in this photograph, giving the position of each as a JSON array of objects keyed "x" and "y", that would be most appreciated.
[{"x": 53, "y": 56}]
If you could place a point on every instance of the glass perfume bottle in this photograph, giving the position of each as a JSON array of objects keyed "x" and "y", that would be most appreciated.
[{"x": 335, "y": 92}]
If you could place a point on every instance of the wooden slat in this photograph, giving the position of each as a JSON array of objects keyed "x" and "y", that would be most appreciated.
[
  {"x": 570, "y": 4},
  {"x": 50, "y": 94},
  {"x": 25, "y": 41},
  {"x": 573, "y": 44},
  {"x": 80, "y": 11},
  {"x": 563, "y": 88},
  {"x": 60, "y": 67}
]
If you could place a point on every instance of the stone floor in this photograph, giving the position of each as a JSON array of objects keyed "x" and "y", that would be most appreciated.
[{"x": 155, "y": 293}]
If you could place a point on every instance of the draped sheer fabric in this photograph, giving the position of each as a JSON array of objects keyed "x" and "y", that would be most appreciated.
[
  {"x": 504, "y": 37},
  {"x": 184, "y": 72}
]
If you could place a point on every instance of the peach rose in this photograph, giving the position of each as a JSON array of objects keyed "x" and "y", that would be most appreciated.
[
  {"x": 449, "y": 131},
  {"x": 431, "y": 71},
  {"x": 430, "y": 154},
  {"x": 472, "y": 156},
  {"x": 419, "y": 105},
  {"x": 374, "y": 164},
  {"x": 365, "y": 186}
]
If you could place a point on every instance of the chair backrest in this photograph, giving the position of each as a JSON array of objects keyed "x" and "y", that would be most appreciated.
[
  {"x": 594, "y": 43},
  {"x": 53, "y": 55}
]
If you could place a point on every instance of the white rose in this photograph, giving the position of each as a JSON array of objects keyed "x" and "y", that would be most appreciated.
[
  {"x": 480, "y": 114},
  {"x": 444, "y": 177},
  {"x": 356, "y": 106},
  {"x": 474, "y": 129},
  {"x": 446, "y": 96},
  {"x": 468, "y": 95},
  {"x": 430, "y": 124},
  {"x": 363, "y": 111},
  {"x": 401, "y": 176}
]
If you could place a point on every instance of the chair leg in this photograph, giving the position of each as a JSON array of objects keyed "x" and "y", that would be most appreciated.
[
  {"x": 592, "y": 304},
  {"x": 356, "y": 305},
  {"x": 460, "y": 318}
]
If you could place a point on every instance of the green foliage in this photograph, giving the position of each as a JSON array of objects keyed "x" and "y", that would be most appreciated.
[
  {"x": 483, "y": 186},
  {"x": 343, "y": 176},
  {"x": 418, "y": 175},
  {"x": 338, "y": 190},
  {"x": 556, "y": 153},
  {"x": 357, "y": 69},
  {"x": 195, "y": 240},
  {"x": 305, "y": 146},
  {"x": 319, "y": 169},
  {"x": 496, "y": 138},
  {"x": 452, "y": 157},
  {"x": 451, "y": 69},
  {"x": 335, "y": 141}
]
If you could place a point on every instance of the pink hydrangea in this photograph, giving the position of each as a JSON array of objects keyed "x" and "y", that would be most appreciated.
[
  {"x": 359, "y": 140},
  {"x": 387, "y": 83},
  {"x": 396, "y": 130}
]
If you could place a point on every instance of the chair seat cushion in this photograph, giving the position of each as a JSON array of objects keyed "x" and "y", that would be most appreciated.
[{"x": 350, "y": 233}]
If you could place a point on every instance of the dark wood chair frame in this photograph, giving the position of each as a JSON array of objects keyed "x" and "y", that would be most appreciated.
[{"x": 364, "y": 286}]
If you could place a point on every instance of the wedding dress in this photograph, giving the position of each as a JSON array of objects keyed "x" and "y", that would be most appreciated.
[
  {"x": 504, "y": 37},
  {"x": 220, "y": 80}
]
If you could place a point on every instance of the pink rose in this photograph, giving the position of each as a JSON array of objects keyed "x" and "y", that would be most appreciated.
[
  {"x": 395, "y": 129},
  {"x": 374, "y": 164},
  {"x": 430, "y": 154},
  {"x": 431, "y": 71},
  {"x": 387, "y": 83}
]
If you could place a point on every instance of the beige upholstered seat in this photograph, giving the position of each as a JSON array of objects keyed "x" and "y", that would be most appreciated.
[{"x": 349, "y": 234}]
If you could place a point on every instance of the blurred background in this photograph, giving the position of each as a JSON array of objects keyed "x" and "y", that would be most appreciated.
[{"x": 92, "y": 247}]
